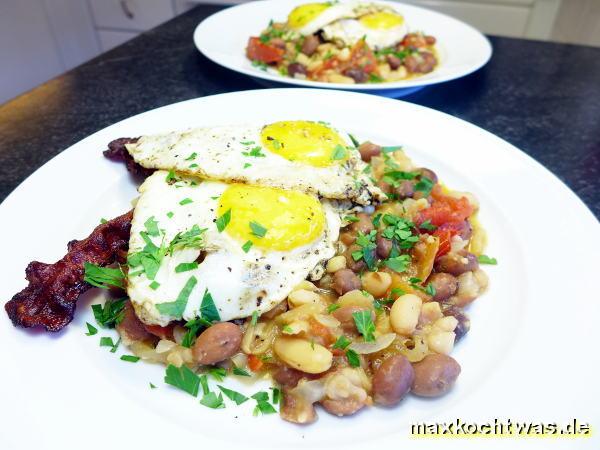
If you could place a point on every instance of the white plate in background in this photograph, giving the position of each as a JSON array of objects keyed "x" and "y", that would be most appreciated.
[
  {"x": 223, "y": 37},
  {"x": 530, "y": 355}
]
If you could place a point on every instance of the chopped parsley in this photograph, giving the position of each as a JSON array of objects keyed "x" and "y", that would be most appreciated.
[
  {"x": 130, "y": 358},
  {"x": 208, "y": 310},
  {"x": 364, "y": 324},
  {"x": 176, "y": 308},
  {"x": 391, "y": 149},
  {"x": 193, "y": 327},
  {"x": 170, "y": 214},
  {"x": 154, "y": 285},
  {"x": 254, "y": 152},
  {"x": 254, "y": 318},
  {"x": 331, "y": 308},
  {"x": 189, "y": 239},
  {"x": 149, "y": 257},
  {"x": 262, "y": 404},
  {"x": 218, "y": 373},
  {"x": 257, "y": 229},
  {"x": 152, "y": 386},
  {"x": 223, "y": 220},
  {"x": 427, "y": 225},
  {"x": 212, "y": 400},
  {"x": 246, "y": 165},
  {"x": 339, "y": 152},
  {"x": 233, "y": 395},
  {"x": 111, "y": 314},
  {"x": 193, "y": 166},
  {"x": 259, "y": 64},
  {"x": 424, "y": 185},
  {"x": 204, "y": 384},
  {"x": 367, "y": 251},
  {"x": 106, "y": 341},
  {"x": 351, "y": 219},
  {"x": 241, "y": 372},
  {"x": 342, "y": 342},
  {"x": 375, "y": 78},
  {"x": 353, "y": 358},
  {"x": 191, "y": 157},
  {"x": 183, "y": 378},
  {"x": 92, "y": 330},
  {"x": 354, "y": 141},
  {"x": 171, "y": 178},
  {"x": 276, "y": 395},
  {"x": 103, "y": 277},
  {"x": 484, "y": 259},
  {"x": 247, "y": 246},
  {"x": 186, "y": 267},
  {"x": 398, "y": 263},
  {"x": 186, "y": 201},
  {"x": 151, "y": 226}
]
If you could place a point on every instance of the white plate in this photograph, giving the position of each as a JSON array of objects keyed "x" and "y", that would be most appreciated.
[
  {"x": 223, "y": 37},
  {"x": 531, "y": 353}
]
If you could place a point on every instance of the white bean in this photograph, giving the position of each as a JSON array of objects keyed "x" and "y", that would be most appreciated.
[
  {"x": 441, "y": 342},
  {"x": 404, "y": 314},
  {"x": 300, "y": 354}
]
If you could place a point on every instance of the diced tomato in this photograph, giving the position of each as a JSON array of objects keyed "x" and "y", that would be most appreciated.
[
  {"x": 254, "y": 363},
  {"x": 259, "y": 51},
  {"x": 445, "y": 209},
  {"x": 445, "y": 234},
  {"x": 161, "y": 332},
  {"x": 362, "y": 57}
]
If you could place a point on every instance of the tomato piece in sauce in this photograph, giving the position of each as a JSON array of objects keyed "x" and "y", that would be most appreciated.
[{"x": 259, "y": 51}]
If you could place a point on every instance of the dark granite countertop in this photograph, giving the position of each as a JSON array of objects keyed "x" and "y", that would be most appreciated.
[{"x": 542, "y": 97}]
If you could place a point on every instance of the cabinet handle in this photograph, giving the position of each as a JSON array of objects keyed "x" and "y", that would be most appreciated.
[{"x": 126, "y": 10}]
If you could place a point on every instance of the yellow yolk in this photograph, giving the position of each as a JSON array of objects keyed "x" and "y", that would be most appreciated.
[
  {"x": 308, "y": 142},
  {"x": 303, "y": 14},
  {"x": 291, "y": 218},
  {"x": 382, "y": 20}
]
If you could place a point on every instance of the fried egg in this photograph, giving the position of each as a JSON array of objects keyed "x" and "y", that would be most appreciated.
[
  {"x": 311, "y": 17},
  {"x": 240, "y": 247},
  {"x": 380, "y": 29},
  {"x": 308, "y": 156}
]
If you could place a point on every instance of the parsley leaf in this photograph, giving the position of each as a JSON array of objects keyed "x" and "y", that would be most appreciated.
[
  {"x": 176, "y": 308},
  {"x": 353, "y": 358},
  {"x": 247, "y": 246},
  {"x": 151, "y": 226},
  {"x": 103, "y": 277},
  {"x": 191, "y": 157},
  {"x": 484, "y": 259},
  {"x": 342, "y": 342},
  {"x": 262, "y": 404},
  {"x": 186, "y": 267},
  {"x": 208, "y": 310},
  {"x": 92, "y": 330},
  {"x": 339, "y": 152},
  {"x": 257, "y": 229},
  {"x": 154, "y": 285},
  {"x": 351, "y": 219},
  {"x": 254, "y": 318},
  {"x": 130, "y": 358},
  {"x": 106, "y": 341},
  {"x": 218, "y": 373},
  {"x": 367, "y": 252},
  {"x": 186, "y": 201},
  {"x": 149, "y": 257},
  {"x": 223, "y": 220},
  {"x": 171, "y": 178},
  {"x": 189, "y": 239},
  {"x": 255, "y": 152},
  {"x": 424, "y": 185},
  {"x": 331, "y": 308},
  {"x": 364, "y": 324},
  {"x": 110, "y": 314},
  {"x": 183, "y": 378},
  {"x": 204, "y": 384},
  {"x": 427, "y": 225},
  {"x": 398, "y": 263},
  {"x": 233, "y": 395},
  {"x": 212, "y": 400},
  {"x": 241, "y": 372}
]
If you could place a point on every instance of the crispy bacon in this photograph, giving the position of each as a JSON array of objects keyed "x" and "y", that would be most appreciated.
[
  {"x": 49, "y": 299},
  {"x": 117, "y": 152}
]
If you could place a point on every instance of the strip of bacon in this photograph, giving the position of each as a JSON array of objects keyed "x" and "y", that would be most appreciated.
[
  {"x": 117, "y": 152},
  {"x": 49, "y": 299}
]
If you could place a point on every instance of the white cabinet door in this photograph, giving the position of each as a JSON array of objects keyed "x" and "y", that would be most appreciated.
[
  {"x": 28, "y": 53},
  {"x": 132, "y": 15},
  {"x": 112, "y": 38}
]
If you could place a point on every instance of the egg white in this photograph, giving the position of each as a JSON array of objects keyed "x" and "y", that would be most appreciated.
[
  {"x": 350, "y": 31},
  {"x": 240, "y": 283},
  {"x": 329, "y": 15},
  {"x": 219, "y": 154}
]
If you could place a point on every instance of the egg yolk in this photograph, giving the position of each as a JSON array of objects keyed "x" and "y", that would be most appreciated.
[
  {"x": 382, "y": 20},
  {"x": 272, "y": 219},
  {"x": 304, "y": 14},
  {"x": 308, "y": 142}
]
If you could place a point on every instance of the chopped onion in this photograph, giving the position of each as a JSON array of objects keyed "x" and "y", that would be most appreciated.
[
  {"x": 164, "y": 346},
  {"x": 379, "y": 344}
]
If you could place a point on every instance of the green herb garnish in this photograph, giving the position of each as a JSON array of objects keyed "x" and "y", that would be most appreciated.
[
  {"x": 176, "y": 308},
  {"x": 223, "y": 220},
  {"x": 364, "y": 324},
  {"x": 183, "y": 378},
  {"x": 103, "y": 277}
]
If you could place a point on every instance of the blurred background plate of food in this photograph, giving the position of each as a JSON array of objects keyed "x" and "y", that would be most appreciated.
[{"x": 384, "y": 48}]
